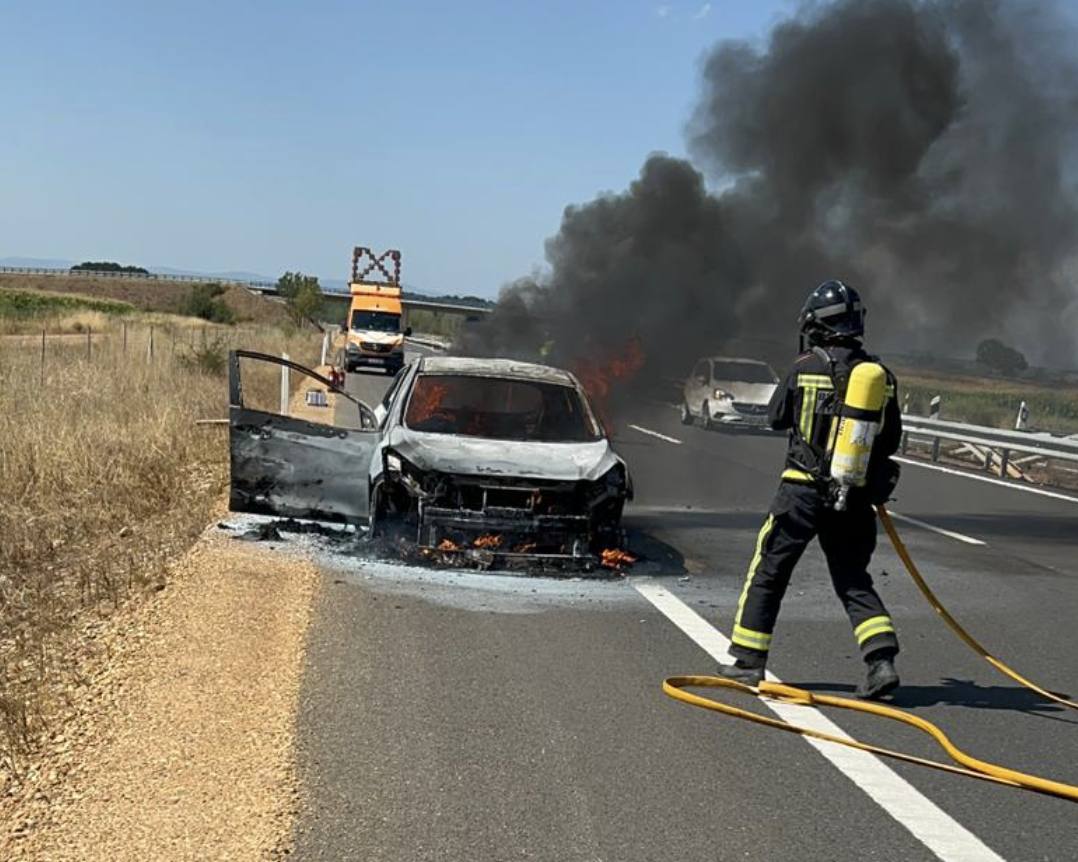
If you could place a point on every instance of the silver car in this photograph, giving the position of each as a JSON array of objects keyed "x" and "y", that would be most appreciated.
[
  {"x": 728, "y": 391},
  {"x": 477, "y": 456}
]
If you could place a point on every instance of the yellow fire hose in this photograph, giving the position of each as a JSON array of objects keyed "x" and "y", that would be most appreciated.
[
  {"x": 952, "y": 623},
  {"x": 969, "y": 766}
]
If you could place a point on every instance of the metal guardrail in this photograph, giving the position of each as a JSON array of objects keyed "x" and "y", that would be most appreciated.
[
  {"x": 990, "y": 439},
  {"x": 152, "y": 276}
]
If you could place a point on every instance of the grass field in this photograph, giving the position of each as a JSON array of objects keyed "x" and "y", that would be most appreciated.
[
  {"x": 103, "y": 478},
  {"x": 25, "y": 310},
  {"x": 992, "y": 401},
  {"x": 166, "y": 297}
]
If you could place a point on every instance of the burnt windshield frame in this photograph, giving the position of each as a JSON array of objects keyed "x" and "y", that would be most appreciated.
[{"x": 591, "y": 430}]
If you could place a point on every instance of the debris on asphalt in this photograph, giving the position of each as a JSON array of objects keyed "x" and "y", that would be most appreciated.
[{"x": 266, "y": 532}]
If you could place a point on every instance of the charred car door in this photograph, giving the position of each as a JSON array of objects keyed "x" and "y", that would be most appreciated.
[{"x": 297, "y": 467}]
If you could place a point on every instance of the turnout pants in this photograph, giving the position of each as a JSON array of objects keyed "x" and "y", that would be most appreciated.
[{"x": 799, "y": 513}]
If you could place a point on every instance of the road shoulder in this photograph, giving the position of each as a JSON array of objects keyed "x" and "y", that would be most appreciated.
[{"x": 181, "y": 746}]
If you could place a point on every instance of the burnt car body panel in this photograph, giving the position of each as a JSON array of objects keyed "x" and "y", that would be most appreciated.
[
  {"x": 292, "y": 467},
  {"x": 450, "y": 453}
]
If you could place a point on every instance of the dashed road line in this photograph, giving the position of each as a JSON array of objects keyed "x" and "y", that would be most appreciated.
[
  {"x": 1025, "y": 488},
  {"x": 934, "y": 828},
  {"x": 950, "y": 534},
  {"x": 651, "y": 433}
]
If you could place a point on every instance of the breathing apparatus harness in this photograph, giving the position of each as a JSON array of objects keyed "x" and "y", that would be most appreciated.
[{"x": 855, "y": 417}]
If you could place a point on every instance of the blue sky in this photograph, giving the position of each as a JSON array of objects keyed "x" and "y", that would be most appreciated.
[{"x": 266, "y": 136}]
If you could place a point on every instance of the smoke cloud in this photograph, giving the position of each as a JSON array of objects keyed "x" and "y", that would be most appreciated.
[{"x": 923, "y": 151}]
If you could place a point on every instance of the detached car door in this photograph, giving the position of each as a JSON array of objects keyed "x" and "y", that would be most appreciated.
[{"x": 297, "y": 466}]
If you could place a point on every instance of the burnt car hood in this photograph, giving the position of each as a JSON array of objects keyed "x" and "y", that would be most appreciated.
[{"x": 475, "y": 456}]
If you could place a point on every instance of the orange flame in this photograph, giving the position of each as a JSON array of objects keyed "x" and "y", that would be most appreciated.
[
  {"x": 426, "y": 401},
  {"x": 448, "y": 545},
  {"x": 613, "y": 558},
  {"x": 599, "y": 377},
  {"x": 488, "y": 542}
]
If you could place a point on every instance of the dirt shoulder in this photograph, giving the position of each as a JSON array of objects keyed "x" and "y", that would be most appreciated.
[{"x": 181, "y": 744}]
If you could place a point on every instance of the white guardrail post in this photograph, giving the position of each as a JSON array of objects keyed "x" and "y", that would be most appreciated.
[{"x": 284, "y": 387}]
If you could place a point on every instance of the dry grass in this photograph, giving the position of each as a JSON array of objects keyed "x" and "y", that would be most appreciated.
[{"x": 103, "y": 476}]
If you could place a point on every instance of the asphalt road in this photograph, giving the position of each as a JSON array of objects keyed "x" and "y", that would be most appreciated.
[{"x": 478, "y": 717}]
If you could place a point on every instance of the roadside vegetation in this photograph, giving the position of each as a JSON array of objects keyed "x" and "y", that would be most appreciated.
[
  {"x": 28, "y": 310},
  {"x": 163, "y": 297},
  {"x": 104, "y": 477},
  {"x": 302, "y": 296},
  {"x": 205, "y": 302},
  {"x": 992, "y": 401}
]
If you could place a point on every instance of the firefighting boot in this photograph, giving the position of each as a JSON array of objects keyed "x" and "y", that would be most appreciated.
[
  {"x": 741, "y": 672},
  {"x": 881, "y": 679}
]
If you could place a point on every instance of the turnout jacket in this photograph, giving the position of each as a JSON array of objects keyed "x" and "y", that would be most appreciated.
[{"x": 807, "y": 406}]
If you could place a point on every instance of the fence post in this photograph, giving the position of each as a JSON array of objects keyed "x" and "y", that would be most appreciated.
[
  {"x": 935, "y": 448},
  {"x": 125, "y": 336},
  {"x": 284, "y": 387},
  {"x": 325, "y": 346},
  {"x": 42, "y": 356},
  {"x": 1004, "y": 462},
  {"x": 149, "y": 345},
  {"x": 89, "y": 340}
]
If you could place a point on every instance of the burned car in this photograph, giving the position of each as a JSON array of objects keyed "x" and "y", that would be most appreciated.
[{"x": 491, "y": 460}]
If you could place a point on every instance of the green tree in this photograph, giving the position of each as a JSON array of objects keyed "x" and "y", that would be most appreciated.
[
  {"x": 107, "y": 266},
  {"x": 999, "y": 357},
  {"x": 205, "y": 301},
  {"x": 302, "y": 296}
]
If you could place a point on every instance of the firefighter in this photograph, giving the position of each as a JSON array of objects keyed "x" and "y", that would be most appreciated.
[{"x": 832, "y": 326}]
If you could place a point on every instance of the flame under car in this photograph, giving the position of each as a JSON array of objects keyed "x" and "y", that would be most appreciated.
[{"x": 490, "y": 461}]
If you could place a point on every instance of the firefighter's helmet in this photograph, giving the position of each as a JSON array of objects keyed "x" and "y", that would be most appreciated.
[{"x": 832, "y": 310}]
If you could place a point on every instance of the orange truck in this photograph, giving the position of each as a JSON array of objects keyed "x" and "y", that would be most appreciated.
[{"x": 373, "y": 334}]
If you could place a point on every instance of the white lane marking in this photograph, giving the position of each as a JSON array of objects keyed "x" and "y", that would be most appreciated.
[
  {"x": 673, "y": 440},
  {"x": 938, "y": 831},
  {"x": 969, "y": 540},
  {"x": 1026, "y": 488}
]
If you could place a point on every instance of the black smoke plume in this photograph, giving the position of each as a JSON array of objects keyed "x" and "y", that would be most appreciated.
[{"x": 923, "y": 151}]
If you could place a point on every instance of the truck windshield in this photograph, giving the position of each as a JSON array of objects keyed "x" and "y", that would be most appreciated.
[
  {"x": 499, "y": 409},
  {"x": 382, "y": 321}
]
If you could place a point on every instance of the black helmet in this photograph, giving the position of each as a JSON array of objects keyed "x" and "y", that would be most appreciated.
[{"x": 833, "y": 310}]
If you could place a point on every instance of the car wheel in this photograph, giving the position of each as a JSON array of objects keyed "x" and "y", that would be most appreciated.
[
  {"x": 686, "y": 414},
  {"x": 706, "y": 414}
]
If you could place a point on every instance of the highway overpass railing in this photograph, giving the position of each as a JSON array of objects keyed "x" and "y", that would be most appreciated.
[{"x": 143, "y": 276}]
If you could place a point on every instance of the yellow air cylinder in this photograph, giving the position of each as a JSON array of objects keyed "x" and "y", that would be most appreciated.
[{"x": 859, "y": 423}]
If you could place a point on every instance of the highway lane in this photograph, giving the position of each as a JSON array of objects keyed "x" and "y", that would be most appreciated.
[{"x": 475, "y": 717}]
